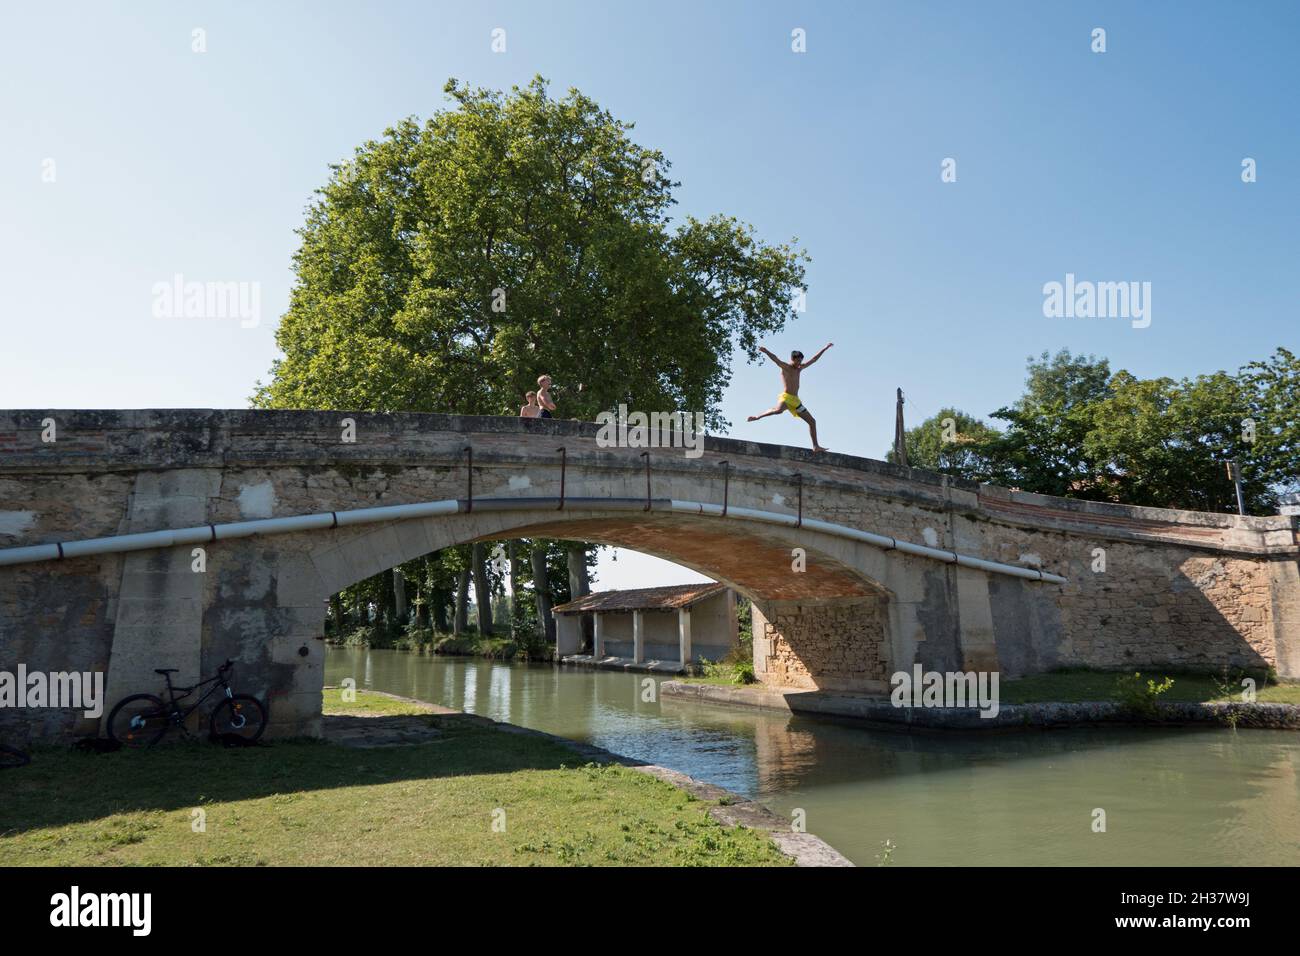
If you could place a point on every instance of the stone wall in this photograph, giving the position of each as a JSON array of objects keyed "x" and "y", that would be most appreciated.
[{"x": 824, "y": 647}]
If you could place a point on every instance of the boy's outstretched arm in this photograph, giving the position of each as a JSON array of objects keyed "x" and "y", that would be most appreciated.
[
  {"x": 818, "y": 355},
  {"x": 771, "y": 355}
]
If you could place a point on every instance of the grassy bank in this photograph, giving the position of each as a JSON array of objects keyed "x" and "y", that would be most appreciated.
[
  {"x": 427, "y": 641},
  {"x": 720, "y": 678},
  {"x": 1077, "y": 686},
  {"x": 314, "y": 803},
  {"x": 370, "y": 704},
  {"x": 1085, "y": 686}
]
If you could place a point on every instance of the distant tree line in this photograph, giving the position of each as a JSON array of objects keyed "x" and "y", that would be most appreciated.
[
  {"x": 513, "y": 585},
  {"x": 1080, "y": 430}
]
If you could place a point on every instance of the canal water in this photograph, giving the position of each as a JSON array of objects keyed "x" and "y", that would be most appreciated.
[{"x": 1171, "y": 797}]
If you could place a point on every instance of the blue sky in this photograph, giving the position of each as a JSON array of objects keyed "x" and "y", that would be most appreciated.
[{"x": 1120, "y": 166}]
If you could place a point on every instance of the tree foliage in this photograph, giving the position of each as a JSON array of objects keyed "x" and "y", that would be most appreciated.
[
  {"x": 1042, "y": 448},
  {"x": 447, "y": 265},
  {"x": 1081, "y": 431},
  {"x": 950, "y": 442}
]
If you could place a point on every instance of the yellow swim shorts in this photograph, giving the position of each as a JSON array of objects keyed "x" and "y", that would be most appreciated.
[{"x": 791, "y": 403}]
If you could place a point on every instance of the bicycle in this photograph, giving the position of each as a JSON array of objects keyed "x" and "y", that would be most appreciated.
[
  {"x": 141, "y": 720},
  {"x": 12, "y": 757}
]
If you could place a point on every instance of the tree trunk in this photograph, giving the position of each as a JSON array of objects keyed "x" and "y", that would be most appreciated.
[
  {"x": 438, "y": 605},
  {"x": 500, "y": 607},
  {"x": 482, "y": 595},
  {"x": 399, "y": 597},
  {"x": 336, "y": 612},
  {"x": 419, "y": 599},
  {"x": 388, "y": 604},
  {"x": 461, "y": 622},
  {"x": 580, "y": 586},
  {"x": 516, "y": 589},
  {"x": 542, "y": 591},
  {"x": 577, "y": 559}
]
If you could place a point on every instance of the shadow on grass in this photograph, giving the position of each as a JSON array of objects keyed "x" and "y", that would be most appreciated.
[{"x": 62, "y": 786}]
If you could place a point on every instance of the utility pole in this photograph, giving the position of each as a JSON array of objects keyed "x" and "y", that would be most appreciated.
[
  {"x": 900, "y": 439},
  {"x": 1234, "y": 475}
]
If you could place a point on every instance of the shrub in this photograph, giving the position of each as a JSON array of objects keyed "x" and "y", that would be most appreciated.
[
  {"x": 731, "y": 671},
  {"x": 1139, "y": 697}
]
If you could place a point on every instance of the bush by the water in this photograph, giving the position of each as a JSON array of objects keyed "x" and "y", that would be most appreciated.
[
  {"x": 424, "y": 640},
  {"x": 1139, "y": 696},
  {"x": 475, "y": 645}
]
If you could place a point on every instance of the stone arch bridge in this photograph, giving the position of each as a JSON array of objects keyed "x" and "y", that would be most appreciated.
[{"x": 100, "y": 512}]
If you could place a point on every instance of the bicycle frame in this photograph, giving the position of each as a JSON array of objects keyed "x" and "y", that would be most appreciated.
[{"x": 175, "y": 695}]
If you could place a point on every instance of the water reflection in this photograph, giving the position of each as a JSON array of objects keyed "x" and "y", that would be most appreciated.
[{"x": 1172, "y": 797}]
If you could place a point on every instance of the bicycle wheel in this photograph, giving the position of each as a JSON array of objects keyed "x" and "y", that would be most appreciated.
[
  {"x": 242, "y": 715},
  {"x": 11, "y": 757},
  {"x": 138, "y": 721}
]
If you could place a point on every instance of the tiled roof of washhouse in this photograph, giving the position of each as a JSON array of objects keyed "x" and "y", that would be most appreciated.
[{"x": 642, "y": 599}]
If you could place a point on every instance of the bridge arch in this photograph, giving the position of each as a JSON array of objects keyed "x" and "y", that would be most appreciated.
[{"x": 834, "y": 591}]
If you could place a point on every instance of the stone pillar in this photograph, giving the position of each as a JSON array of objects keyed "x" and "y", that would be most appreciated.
[
  {"x": 568, "y": 634},
  {"x": 638, "y": 636},
  {"x": 598, "y": 648},
  {"x": 978, "y": 645},
  {"x": 1285, "y": 615},
  {"x": 684, "y": 653},
  {"x": 733, "y": 623},
  {"x": 160, "y": 605},
  {"x": 979, "y": 651},
  {"x": 762, "y": 641},
  {"x": 836, "y": 646}
]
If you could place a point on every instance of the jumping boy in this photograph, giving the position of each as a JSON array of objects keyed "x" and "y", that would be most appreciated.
[{"x": 789, "y": 400}]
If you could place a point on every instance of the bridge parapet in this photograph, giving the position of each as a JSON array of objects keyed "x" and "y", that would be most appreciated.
[{"x": 114, "y": 441}]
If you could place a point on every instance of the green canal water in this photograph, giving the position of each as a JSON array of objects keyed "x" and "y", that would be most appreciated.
[{"x": 1171, "y": 797}]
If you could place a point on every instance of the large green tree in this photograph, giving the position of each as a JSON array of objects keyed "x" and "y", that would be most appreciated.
[
  {"x": 1043, "y": 447},
  {"x": 1274, "y": 395},
  {"x": 448, "y": 264},
  {"x": 1166, "y": 443},
  {"x": 953, "y": 443}
]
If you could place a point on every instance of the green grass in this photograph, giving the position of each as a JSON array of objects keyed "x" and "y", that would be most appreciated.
[
  {"x": 735, "y": 670},
  {"x": 311, "y": 803},
  {"x": 717, "y": 680},
  {"x": 368, "y": 704},
  {"x": 1075, "y": 686}
]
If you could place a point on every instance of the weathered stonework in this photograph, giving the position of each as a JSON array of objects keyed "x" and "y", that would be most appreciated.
[
  {"x": 1178, "y": 589},
  {"x": 839, "y": 646}
]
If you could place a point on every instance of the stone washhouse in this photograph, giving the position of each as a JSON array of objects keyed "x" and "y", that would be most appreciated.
[{"x": 650, "y": 629}]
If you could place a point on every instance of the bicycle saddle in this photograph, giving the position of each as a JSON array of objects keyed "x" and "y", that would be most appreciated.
[{"x": 165, "y": 670}]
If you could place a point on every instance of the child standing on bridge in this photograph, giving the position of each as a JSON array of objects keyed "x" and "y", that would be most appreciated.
[
  {"x": 544, "y": 396},
  {"x": 531, "y": 409},
  {"x": 789, "y": 398}
]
